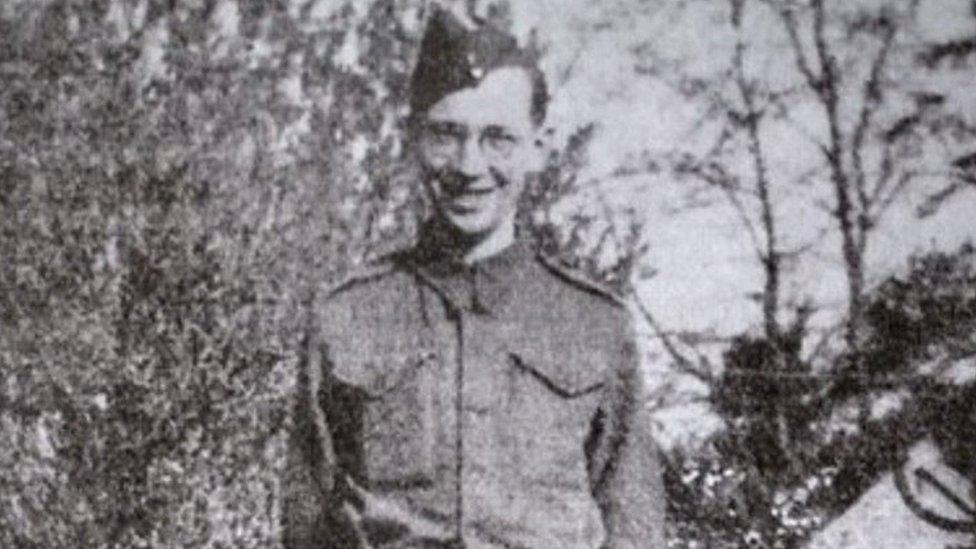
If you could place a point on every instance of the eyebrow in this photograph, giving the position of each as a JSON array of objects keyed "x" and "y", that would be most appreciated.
[
  {"x": 446, "y": 126},
  {"x": 495, "y": 130}
]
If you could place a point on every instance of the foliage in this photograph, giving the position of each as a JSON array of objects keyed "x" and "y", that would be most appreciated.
[
  {"x": 756, "y": 483},
  {"x": 925, "y": 315},
  {"x": 721, "y": 499},
  {"x": 753, "y": 486},
  {"x": 165, "y": 218}
]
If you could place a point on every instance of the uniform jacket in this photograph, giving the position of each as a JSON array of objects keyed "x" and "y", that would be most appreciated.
[{"x": 494, "y": 405}]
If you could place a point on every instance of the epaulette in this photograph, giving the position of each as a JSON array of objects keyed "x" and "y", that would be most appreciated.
[
  {"x": 367, "y": 272},
  {"x": 578, "y": 280}
]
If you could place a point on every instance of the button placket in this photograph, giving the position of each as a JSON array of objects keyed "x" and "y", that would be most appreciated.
[
  {"x": 487, "y": 491},
  {"x": 475, "y": 381}
]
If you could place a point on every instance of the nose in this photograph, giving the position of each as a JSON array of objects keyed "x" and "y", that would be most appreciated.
[{"x": 472, "y": 161}]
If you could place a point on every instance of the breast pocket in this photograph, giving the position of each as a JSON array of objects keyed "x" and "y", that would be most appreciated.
[
  {"x": 397, "y": 421},
  {"x": 552, "y": 407}
]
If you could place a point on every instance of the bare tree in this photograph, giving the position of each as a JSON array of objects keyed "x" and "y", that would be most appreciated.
[{"x": 860, "y": 199}]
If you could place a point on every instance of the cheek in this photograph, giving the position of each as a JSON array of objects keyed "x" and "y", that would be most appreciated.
[{"x": 430, "y": 162}]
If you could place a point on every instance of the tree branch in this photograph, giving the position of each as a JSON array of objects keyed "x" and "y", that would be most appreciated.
[
  {"x": 852, "y": 246},
  {"x": 872, "y": 97},
  {"x": 715, "y": 175},
  {"x": 935, "y": 200},
  {"x": 885, "y": 201},
  {"x": 768, "y": 253},
  {"x": 802, "y": 61},
  {"x": 683, "y": 362},
  {"x": 885, "y": 173}
]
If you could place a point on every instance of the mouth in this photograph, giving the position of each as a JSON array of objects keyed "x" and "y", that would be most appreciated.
[
  {"x": 460, "y": 194},
  {"x": 484, "y": 191},
  {"x": 468, "y": 198},
  {"x": 469, "y": 201}
]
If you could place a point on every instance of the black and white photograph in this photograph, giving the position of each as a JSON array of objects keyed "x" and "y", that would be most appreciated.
[{"x": 488, "y": 274}]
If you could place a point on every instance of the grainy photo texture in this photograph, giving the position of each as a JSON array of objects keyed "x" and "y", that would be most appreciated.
[{"x": 327, "y": 274}]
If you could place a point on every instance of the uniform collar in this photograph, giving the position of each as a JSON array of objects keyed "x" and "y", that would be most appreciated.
[{"x": 485, "y": 286}]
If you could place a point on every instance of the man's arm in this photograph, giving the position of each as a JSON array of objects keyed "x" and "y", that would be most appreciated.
[
  {"x": 309, "y": 459},
  {"x": 627, "y": 476},
  {"x": 314, "y": 511}
]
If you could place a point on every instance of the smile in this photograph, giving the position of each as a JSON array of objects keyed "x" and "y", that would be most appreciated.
[
  {"x": 469, "y": 200},
  {"x": 476, "y": 192},
  {"x": 463, "y": 192}
]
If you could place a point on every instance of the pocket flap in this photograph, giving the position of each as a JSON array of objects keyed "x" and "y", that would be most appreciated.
[
  {"x": 376, "y": 371},
  {"x": 568, "y": 368}
]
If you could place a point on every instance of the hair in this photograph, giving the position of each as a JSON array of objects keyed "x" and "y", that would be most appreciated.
[{"x": 540, "y": 96}]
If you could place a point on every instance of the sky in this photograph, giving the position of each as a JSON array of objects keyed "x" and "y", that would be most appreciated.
[{"x": 707, "y": 269}]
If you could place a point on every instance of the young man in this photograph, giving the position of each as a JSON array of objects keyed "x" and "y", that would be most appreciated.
[{"x": 465, "y": 393}]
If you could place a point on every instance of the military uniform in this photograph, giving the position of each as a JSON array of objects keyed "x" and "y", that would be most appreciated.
[{"x": 489, "y": 405}]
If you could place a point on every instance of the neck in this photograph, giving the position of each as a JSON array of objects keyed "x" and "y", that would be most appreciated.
[
  {"x": 491, "y": 244},
  {"x": 439, "y": 240}
]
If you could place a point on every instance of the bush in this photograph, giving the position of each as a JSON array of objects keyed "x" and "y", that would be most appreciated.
[
  {"x": 784, "y": 469},
  {"x": 165, "y": 218}
]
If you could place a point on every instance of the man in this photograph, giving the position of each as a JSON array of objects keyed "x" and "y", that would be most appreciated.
[{"x": 465, "y": 393}]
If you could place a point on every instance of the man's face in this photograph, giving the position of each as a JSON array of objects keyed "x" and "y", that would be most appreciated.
[{"x": 476, "y": 146}]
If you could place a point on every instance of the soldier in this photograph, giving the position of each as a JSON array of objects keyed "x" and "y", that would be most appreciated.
[{"x": 466, "y": 393}]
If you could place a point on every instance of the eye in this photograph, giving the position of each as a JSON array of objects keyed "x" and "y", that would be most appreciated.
[
  {"x": 498, "y": 139},
  {"x": 442, "y": 134}
]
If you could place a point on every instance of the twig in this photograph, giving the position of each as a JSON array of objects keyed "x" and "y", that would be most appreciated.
[{"x": 683, "y": 362}]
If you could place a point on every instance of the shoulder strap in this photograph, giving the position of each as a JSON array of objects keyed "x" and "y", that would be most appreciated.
[
  {"x": 370, "y": 271},
  {"x": 578, "y": 280}
]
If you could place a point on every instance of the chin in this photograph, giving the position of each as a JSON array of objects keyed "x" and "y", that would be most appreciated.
[{"x": 470, "y": 225}]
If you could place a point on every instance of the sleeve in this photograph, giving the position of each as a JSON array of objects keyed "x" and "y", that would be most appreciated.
[
  {"x": 626, "y": 464},
  {"x": 311, "y": 509},
  {"x": 303, "y": 486}
]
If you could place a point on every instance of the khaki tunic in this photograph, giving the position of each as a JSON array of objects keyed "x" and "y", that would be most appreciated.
[{"x": 495, "y": 405}]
